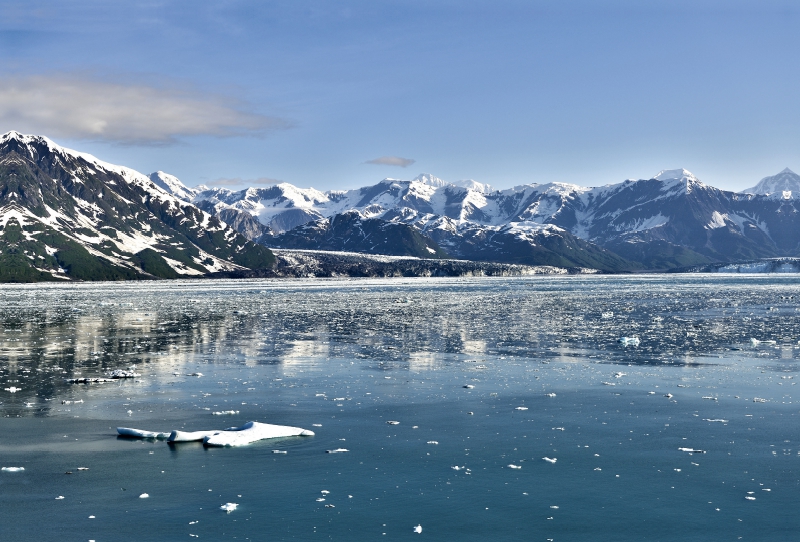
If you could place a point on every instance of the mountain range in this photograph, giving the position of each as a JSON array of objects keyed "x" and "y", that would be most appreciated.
[{"x": 66, "y": 214}]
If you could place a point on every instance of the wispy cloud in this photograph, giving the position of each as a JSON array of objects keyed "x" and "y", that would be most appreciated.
[
  {"x": 237, "y": 181},
  {"x": 78, "y": 107},
  {"x": 391, "y": 161}
]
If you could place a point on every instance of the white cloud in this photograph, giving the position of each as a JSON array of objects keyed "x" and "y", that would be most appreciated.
[
  {"x": 68, "y": 106},
  {"x": 391, "y": 161}
]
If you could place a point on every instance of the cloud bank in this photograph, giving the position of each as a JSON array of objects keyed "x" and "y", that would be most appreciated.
[
  {"x": 391, "y": 161},
  {"x": 74, "y": 107}
]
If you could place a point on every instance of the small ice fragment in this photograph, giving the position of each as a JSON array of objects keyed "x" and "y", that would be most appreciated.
[
  {"x": 550, "y": 459},
  {"x": 144, "y": 496},
  {"x": 720, "y": 420},
  {"x": 754, "y": 342},
  {"x": 13, "y": 389},
  {"x": 710, "y": 398},
  {"x": 607, "y": 315},
  {"x": 554, "y": 507},
  {"x": 691, "y": 450},
  {"x": 456, "y": 467},
  {"x": 609, "y": 384},
  {"x": 668, "y": 395},
  {"x": 316, "y": 425},
  {"x": 330, "y": 506},
  {"x": 549, "y": 394},
  {"x": 83, "y": 468},
  {"x": 320, "y": 499},
  {"x": 512, "y": 466},
  {"x": 765, "y": 489},
  {"x": 337, "y": 451},
  {"x": 325, "y": 492},
  {"x": 597, "y": 468},
  {"x": 433, "y": 442},
  {"x": 759, "y": 400},
  {"x": 195, "y": 374},
  {"x": 279, "y": 451},
  {"x": 521, "y": 408},
  {"x": 750, "y": 498},
  {"x": 628, "y": 341},
  {"x": 558, "y": 428},
  {"x": 620, "y": 374},
  {"x": 225, "y": 413},
  {"x": 229, "y": 507},
  {"x": 418, "y": 529},
  {"x": 392, "y": 422},
  {"x": 60, "y": 498},
  {"x": 469, "y": 386},
  {"x": 13, "y": 469},
  {"x": 651, "y": 393}
]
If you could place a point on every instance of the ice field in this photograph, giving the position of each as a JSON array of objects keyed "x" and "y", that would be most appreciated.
[{"x": 443, "y": 409}]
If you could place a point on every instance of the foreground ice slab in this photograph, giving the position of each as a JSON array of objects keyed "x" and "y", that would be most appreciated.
[
  {"x": 140, "y": 433},
  {"x": 190, "y": 436},
  {"x": 252, "y": 432}
]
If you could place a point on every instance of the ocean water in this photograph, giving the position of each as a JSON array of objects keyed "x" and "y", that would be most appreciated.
[{"x": 486, "y": 377}]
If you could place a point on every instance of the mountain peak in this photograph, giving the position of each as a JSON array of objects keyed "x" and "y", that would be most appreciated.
[
  {"x": 675, "y": 175},
  {"x": 785, "y": 181}
]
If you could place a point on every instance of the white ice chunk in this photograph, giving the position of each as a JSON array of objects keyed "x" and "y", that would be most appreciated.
[
  {"x": 337, "y": 451},
  {"x": 13, "y": 469},
  {"x": 629, "y": 341},
  {"x": 13, "y": 389},
  {"x": 190, "y": 436},
  {"x": 225, "y": 413},
  {"x": 550, "y": 459},
  {"x": 521, "y": 408},
  {"x": 254, "y": 431},
  {"x": 512, "y": 466},
  {"x": 418, "y": 529},
  {"x": 140, "y": 433},
  {"x": 691, "y": 450},
  {"x": 121, "y": 373},
  {"x": 229, "y": 507},
  {"x": 144, "y": 496}
]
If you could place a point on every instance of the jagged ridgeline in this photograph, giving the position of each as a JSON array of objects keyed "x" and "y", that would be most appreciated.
[{"x": 67, "y": 215}]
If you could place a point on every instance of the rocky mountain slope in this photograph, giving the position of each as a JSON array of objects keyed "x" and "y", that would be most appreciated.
[{"x": 68, "y": 215}]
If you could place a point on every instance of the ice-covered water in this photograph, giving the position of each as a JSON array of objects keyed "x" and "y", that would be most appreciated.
[{"x": 519, "y": 412}]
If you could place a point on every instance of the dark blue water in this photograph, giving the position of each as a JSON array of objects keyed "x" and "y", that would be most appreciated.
[{"x": 344, "y": 357}]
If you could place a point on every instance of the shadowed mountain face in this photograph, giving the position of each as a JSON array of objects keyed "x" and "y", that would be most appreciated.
[{"x": 67, "y": 215}]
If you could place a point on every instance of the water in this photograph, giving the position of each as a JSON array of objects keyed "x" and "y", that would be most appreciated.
[{"x": 343, "y": 357}]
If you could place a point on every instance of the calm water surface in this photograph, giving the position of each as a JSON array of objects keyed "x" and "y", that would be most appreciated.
[{"x": 548, "y": 379}]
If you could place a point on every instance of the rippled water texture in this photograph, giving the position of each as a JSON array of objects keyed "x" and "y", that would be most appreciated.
[{"x": 486, "y": 377}]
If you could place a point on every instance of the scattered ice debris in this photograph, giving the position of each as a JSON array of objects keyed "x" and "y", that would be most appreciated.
[
  {"x": 759, "y": 400},
  {"x": 225, "y": 413},
  {"x": 433, "y": 442},
  {"x": 456, "y": 467},
  {"x": 550, "y": 459},
  {"x": 628, "y": 341},
  {"x": 691, "y": 450},
  {"x": 140, "y": 433},
  {"x": 229, "y": 507},
  {"x": 279, "y": 451},
  {"x": 392, "y": 422},
  {"x": 512, "y": 466},
  {"x": 521, "y": 408},
  {"x": 13, "y": 389},
  {"x": 710, "y": 398},
  {"x": 418, "y": 529},
  {"x": 337, "y": 451},
  {"x": 330, "y": 506},
  {"x": 609, "y": 384},
  {"x": 144, "y": 496},
  {"x": 549, "y": 394},
  {"x": 122, "y": 373},
  {"x": 720, "y": 420},
  {"x": 13, "y": 469},
  {"x": 252, "y": 432}
]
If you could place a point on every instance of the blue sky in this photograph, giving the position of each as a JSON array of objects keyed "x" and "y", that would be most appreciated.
[{"x": 342, "y": 94}]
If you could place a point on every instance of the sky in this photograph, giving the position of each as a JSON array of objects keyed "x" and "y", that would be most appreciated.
[{"x": 341, "y": 94}]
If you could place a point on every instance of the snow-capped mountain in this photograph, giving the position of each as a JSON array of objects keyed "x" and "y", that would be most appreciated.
[
  {"x": 65, "y": 214},
  {"x": 782, "y": 185},
  {"x": 670, "y": 220}
]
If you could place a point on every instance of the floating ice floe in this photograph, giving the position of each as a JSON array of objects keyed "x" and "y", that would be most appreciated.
[
  {"x": 620, "y": 374},
  {"x": 608, "y": 383},
  {"x": 550, "y": 459},
  {"x": 691, "y": 450},
  {"x": 337, "y": 451},
  {"x": 392, "y": 422},
  {"x": 252, "y": 432},
  {"x": 122, "y": 373},
  {"x": 144, "y": 496},
  {"x": 13, "y": 469},
  {"x": 433, "y": 442},
  {"x": 60, "y": 498},
  {"x": 759, "y": 400},
  {"x": 668, "y": 395},
  {"x": 628, "y": 341},
  {"x": 549, "y": 394},
  {"x": 521, "y": 408},
  {"x": 13, "y": 389},
  {"x": 190, "y": 436},
  {"x": 720, "y": 420},
  {"x": 512, "y": 466},
  {"x": 418, "y": 529},
  {"x": 225, "y": 413},
  {"x": 710, "y": 398},
  {"x": 229, "y": 507},
  {"x": 469, "y": 386},
  {"x": 140, "y": 433},
  {"x": 279, "y": 451}
]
